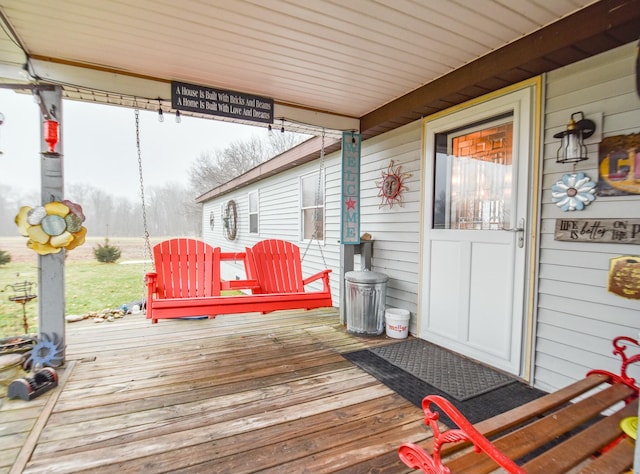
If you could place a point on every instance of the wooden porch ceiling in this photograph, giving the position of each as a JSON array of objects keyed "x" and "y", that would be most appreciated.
[
  {"x": 597, "y": 28},
  {"x": 377, "y": 63},
  {"x": 239, "y": 393},
  {"x": 382, "y": 62}
]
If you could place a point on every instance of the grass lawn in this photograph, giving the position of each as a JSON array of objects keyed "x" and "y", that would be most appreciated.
[{"x": 89, "y": 286}]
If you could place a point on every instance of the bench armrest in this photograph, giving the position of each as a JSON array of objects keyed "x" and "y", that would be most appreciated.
[
  {"x": 416, "y": 457},
  {"x": 240, "y": 285},
  {"x": 620, "y": 346},
  {"x": 324, "y": 275},
  {"x": 151, "y": 279}
]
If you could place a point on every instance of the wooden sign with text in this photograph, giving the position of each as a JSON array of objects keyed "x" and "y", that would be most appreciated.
[
  {"x": 221, "y": 102},
  {"x": 611, "y": 231}
]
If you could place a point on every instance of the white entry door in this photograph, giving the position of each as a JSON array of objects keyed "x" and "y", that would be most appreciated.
[{"x": 476, "y": 177}]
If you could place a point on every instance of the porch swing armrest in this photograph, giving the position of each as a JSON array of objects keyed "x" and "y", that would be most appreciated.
[
  {"x": 240, "y": 285},
  {"x": 151, "y": 279},
  {"x": 324, "y": 275}
]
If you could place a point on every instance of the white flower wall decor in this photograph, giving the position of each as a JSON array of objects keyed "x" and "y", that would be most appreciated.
[{"x": 573, "y": 192}]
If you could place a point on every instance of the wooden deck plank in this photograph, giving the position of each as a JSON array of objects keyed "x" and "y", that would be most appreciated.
[
  {"x": 31, "y": 441},
  {"x": 106, "y": 406},
  {"x": 210, "y": 394},
  {"x": 275, "y": 444},
  {"x": 155, "y": 439},
  {"x": 172, "y": 418}
]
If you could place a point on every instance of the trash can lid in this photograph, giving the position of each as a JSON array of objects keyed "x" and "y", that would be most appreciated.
[{"x": 366, "y": 277}]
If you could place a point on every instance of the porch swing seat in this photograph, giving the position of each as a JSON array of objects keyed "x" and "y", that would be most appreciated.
[{"x": 186, "y": 281}]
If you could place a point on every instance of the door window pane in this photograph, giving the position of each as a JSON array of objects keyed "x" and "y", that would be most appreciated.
[{"x": 473, "y": 176}]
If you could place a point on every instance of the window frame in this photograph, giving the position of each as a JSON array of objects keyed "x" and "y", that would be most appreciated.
[
  {"x": 316, "y": 175},
  {"x": 250, "y": 213}
]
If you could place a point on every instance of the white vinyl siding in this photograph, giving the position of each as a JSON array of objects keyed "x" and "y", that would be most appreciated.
[
  {"x": 576, "y": 315},
  {"x": 395, "y": 231}
]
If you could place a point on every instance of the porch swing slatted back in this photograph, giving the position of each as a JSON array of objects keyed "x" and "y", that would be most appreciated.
[
  {"x": 187, "y": 280},
  {"x": 277, "y": 266},
  {"x": 185, "y": 269}
]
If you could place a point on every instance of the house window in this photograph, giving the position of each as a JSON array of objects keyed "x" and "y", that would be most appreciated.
[
  {"x": 253, "y": 212},
  {"x": 312, "y": 206}
]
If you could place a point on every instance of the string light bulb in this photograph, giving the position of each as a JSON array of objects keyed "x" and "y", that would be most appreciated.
[
  {"x": 353, "y": 138},
  {"x": 270, "y": 130},
  {"x": 282, "y": 128},
  {"x": 178, "y": 117},
  {"x": 160, "y": 113}
]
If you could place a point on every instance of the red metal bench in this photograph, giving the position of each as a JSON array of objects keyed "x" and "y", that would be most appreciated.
[
  {"x": 548, "y": 435},
  {"x": 187, "y": 280}
]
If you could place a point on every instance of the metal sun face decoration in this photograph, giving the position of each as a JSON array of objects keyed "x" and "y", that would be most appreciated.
[
  {"x": 573, "y": 192},
  {"x": 392, "y": 185}
]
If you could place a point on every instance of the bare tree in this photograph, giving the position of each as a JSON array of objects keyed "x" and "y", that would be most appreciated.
[
  {"x": 212, "y": 169},
  {"x": 278, "y": 142}
]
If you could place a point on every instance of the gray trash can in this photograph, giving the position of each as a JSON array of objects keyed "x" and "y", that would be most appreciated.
[{"x": 365, "y": 299}]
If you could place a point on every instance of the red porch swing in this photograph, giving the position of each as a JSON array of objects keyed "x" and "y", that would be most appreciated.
[{"x": 187, "y": 278}]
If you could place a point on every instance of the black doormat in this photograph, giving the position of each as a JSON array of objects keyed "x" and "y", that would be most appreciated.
[
  {"x": 457, "y": 376},
  {"x": 475, "y": 409}
]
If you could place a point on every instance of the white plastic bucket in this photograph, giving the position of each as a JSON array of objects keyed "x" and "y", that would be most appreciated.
[{"x": 397, "y": 322}]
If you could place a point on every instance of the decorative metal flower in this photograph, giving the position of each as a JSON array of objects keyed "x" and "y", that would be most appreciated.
[
  {"x": 573, "y": 192},
  {"x": 47, "y": 352},
  {"x": 52, "y": 227}
]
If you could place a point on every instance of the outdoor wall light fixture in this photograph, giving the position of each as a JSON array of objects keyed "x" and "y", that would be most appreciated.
[{"x": 572, "y": 148}]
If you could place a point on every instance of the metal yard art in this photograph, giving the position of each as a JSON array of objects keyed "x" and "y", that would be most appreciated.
[{"x": 22, "y": 294}]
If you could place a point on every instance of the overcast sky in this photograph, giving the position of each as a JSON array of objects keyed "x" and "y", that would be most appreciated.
[{"x": 100, "y": 145}]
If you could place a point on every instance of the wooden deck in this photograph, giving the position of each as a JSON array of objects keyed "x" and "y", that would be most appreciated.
[{"x": 236, "y": 394}]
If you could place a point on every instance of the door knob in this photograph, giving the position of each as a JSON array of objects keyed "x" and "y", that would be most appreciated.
[{"x": 520, "y": 230}]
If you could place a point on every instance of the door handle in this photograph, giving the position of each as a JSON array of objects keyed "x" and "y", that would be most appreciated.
[{"x": 520, "y": 230}]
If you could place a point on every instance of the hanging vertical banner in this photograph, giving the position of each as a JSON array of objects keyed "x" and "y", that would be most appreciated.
[{"x": 350, "y": 206}]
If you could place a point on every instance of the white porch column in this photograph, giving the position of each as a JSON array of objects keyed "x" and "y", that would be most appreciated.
[{"x": 51, "y": 288}]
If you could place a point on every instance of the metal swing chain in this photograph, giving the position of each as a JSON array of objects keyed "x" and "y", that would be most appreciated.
[
  {"x": 146, "y": 255},
  {"x": 317, "y": 201}
]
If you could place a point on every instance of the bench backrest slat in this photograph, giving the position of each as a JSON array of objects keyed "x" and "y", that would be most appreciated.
[
  {"x": 536, "y": 434},
  {"x": 277, "y": 266},
  {"x": 185, "y": 268}
]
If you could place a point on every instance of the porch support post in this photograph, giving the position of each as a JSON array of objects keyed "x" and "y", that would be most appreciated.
[
  {"x": 346, "y": 265},
  {"x": 51, "y": 288}
]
